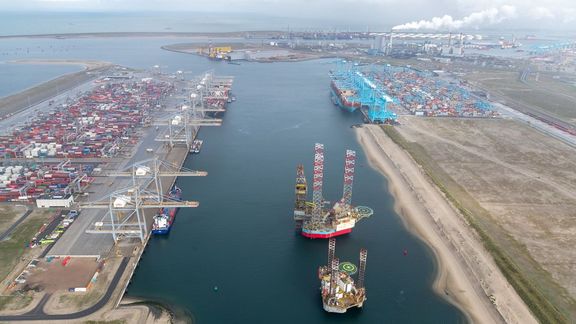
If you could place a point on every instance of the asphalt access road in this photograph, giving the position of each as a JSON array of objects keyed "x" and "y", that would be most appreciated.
[{"x": 37, "y": 314}]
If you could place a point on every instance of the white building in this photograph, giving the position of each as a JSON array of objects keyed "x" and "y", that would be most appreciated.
[{"x": 55, "y": 201}]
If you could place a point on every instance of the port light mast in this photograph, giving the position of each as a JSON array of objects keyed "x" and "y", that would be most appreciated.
[{"x": 317, "y": 182}]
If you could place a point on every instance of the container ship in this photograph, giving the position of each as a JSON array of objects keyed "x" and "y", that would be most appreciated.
[
  {"x": 313, "y": 219},
  {"x": 344, "y": 94},
  {"x": 338, "y": 289},
  {"x": 164, "y": 220}
]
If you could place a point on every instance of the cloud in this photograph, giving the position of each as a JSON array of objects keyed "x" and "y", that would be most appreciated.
[
  {"x": 541, "y": 13},
  {"x": 342, "y": 14},
  {"x": 476, "y": 19}
]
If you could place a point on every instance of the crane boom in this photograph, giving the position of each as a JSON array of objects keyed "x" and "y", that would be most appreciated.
[{"x": 145, "y": 204}]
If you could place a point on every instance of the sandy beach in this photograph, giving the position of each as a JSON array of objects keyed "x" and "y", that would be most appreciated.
[{"x": 466, "y": 274}]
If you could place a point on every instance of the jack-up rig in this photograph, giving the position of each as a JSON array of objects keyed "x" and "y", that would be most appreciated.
[
  {"x": 315, "y": 221},
  {"x": 339, "y": 291}
]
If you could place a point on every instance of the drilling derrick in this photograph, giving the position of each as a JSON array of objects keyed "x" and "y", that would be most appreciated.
[
  {"x": 317, "y": 182},
  {"x": 348, "y": 176}
]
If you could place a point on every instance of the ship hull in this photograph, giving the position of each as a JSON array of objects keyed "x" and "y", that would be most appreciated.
[
  {"x": 163, "y": 231},
  {"x": 338, "y": 101},
  {"x": 324, "y": 234},
  {"x": 332, "y": 309}
]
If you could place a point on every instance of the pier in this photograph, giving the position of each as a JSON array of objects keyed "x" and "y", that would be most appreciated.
[{"x": 160, "y": 135}]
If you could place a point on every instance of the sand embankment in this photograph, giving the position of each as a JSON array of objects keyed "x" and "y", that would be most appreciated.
[
  {"x": 467, "y": 275},
  {"x": 87, "y": 64},
  {"x": 14, "y": 103}
]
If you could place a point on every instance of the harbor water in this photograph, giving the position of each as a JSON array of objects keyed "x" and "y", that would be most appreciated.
[{"x": 236, "y": 258}]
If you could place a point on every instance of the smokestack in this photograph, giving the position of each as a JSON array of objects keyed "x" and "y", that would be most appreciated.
[
  {"x": 362, "y": 270},
  {"x": 389, "y": 47},
  {"x": 450, "y": 39}
]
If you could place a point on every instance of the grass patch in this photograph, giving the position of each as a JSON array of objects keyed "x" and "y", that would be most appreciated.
[
  {"x": 14, "y": 302},
  {"x": 7, "y": 217},
  {"x": 13, "y": 248},
  {"x": 549, "y": 302},
  {"x": 547, "y": 95}
]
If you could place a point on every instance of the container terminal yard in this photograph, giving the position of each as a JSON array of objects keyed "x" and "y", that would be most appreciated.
[
  {"x": 100, "y": 159},
  {"x": 382, "y": 92}
]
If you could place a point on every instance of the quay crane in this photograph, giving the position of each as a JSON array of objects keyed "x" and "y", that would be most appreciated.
[
  {"x": 125, "y": 216},
  {"x": 183, "y": 124}
]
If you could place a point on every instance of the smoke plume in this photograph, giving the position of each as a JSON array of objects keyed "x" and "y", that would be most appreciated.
[{"x": 446, "y": 22}]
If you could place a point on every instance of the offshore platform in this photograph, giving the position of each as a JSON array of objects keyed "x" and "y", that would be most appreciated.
[
  {"x": 339, "y": 291},
  {"x": 312, "y": 219},
  {"x": 352, "y": 89}
]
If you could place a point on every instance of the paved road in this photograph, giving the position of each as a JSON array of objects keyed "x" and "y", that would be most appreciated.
[
  {"x": 20, "y": 220},
  {"x": 37, "y": 314}
]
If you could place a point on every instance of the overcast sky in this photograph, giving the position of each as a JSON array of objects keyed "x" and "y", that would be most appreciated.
[{"x": 423, "y": 14}]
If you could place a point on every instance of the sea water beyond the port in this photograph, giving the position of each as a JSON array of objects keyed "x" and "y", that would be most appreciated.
[{"x": 241, "y": 239}]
